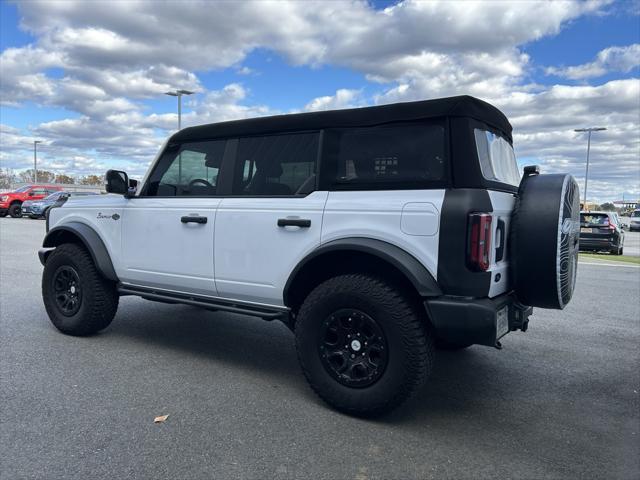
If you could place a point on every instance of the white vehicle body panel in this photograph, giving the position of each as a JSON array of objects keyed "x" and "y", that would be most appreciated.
[
  {"x": 159, "y": 250},
  {"x": 253, "y": 256},
  {"x": 97, "y": 212},
  {"x": 503, "y": 204},
  {"x": 241, "y": 253},
  {"x": 408, "y": 219}
]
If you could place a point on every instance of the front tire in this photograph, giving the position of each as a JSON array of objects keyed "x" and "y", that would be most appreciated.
[
  {"x": 77, "y": 298},
  {"x": 15, "y": 210},
  {"x": 363, "y": 346}
]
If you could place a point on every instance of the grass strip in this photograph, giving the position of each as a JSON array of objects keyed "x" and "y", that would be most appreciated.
[{"x": 605, "y": 257}]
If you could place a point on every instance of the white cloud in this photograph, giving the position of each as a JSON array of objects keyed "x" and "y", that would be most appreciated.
[
  {"x": 115, "y": 132},
  {"x": 408, "y": 38},
  {"x": 609, "y": 60},
  {"x": 343, "y": 98}
]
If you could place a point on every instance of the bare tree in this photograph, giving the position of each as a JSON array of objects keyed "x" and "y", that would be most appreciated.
[
  {"x": 67, "y": 179},
  {"x": 7, "y": 178},
  {"x": 44, "y": 176},
  {"x": 91, "y": 180}
]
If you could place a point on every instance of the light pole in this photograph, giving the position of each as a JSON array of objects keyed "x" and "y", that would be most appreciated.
[
  {"x": 179, "y": 94},
  {"x": 35, "y": 160},
  {"x": 586, "y": 176}
]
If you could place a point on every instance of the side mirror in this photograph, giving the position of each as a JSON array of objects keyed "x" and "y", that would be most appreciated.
[
  {"x": 116, "y": 181},
  {"x": 531, "y": 170},
  {"x": 31, "y": 194}
]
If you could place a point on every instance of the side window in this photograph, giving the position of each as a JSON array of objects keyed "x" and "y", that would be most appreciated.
[
  {"x": 38, "y": 191},
  {"x": 187, "y": 169},
  {"x": 276, "y": 164},
  {"x": 387, "y": 156}
]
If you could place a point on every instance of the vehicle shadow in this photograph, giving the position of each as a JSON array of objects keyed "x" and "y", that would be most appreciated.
[
  {"x": 457, "y": 380},
  {"x": 220, "y": 336}
]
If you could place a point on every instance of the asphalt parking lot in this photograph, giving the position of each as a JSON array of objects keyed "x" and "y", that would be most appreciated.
[{"x": 560, "y": 401}]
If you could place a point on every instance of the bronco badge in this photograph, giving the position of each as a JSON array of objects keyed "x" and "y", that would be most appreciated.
[{"x": 115, "y": 216}]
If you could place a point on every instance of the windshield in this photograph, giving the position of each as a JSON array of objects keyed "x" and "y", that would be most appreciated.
[
  {"x": 594, "y": 218},
  {"x": 636, "y": 213},
  {"x": 22, "y": 189},
  {"x": 497, "y": 160},
  {"x": 53, "y": 196}
]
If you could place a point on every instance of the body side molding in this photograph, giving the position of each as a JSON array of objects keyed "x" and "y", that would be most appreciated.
[
  {"x": 406, "y": 263},
  {"x": 89, "y": 238}
]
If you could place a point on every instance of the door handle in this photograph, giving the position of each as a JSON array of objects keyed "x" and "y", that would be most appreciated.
[
  {"x": 294, "y": 222},
  {"x": 193, "y": 219}
]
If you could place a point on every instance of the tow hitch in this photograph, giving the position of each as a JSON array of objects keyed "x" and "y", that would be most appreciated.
[{"x": 520, "y": 317}]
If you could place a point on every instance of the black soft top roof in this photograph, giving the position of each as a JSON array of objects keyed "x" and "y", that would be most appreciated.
[{"x": 460, "y": 106}]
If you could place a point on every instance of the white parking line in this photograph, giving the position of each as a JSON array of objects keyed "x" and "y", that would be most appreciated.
[{"x": 609, "y": 264}]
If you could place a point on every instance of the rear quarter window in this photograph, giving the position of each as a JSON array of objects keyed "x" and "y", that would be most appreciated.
[
  {"x": 497, "y": 159},
  {"x": 394, "y": 156}
]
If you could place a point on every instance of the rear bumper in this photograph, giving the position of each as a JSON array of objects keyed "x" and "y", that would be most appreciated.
[
  {"x": 599, "y": 243},
  {"x": 480, "y": 321},
  {"x": 32, "y": 211}
]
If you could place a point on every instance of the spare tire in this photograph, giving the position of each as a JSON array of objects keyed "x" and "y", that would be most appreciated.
[{"x": 545, "y": 230}]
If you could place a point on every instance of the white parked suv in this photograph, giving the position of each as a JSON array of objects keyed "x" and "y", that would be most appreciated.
[{"x": 375, "y": 234}]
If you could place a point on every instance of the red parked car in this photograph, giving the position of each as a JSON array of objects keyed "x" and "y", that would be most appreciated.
[{"x": 11, "y": 202}]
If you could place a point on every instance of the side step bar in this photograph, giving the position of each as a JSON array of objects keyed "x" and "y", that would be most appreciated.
[{"x": 210, "y": 303}]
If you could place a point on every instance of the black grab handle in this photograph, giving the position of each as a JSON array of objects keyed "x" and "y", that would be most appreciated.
[
  {"x": 503, "y": 240},
  {"x": 193, "y": 219},
  {"x": 294, "y": 222}
]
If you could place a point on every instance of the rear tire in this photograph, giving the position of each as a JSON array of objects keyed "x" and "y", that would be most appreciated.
[
  {"x": 370, "y": 377},
  {"x": 15, "y": 210},
  {"x": 77, "y": 298}
]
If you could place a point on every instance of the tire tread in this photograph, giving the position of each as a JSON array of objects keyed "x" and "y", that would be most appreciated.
[
  {"x": 418, "y": 344},
  {"x": 105, "y": 299}
]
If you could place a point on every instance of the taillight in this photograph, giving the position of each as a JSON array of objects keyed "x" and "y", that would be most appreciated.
[{"x": 479, "y": 242}]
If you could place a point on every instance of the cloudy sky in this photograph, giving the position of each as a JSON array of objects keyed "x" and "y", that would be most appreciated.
[{"x": 88, "y": 77}]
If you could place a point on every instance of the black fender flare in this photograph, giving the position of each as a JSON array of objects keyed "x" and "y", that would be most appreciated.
[
  {"x": 91, "y": 241},
  {"x": 407, "y": 264}
]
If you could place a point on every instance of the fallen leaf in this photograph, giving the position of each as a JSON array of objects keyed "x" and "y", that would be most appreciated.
[{"x": 160, "y": 419}]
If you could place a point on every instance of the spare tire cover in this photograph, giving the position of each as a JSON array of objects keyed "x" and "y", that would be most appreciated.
[{"x": 545, "y": 231}]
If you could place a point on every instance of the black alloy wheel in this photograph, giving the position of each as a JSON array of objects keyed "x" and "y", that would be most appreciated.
[
  {"x": 363, "y": 344},
  {"x": 67, "y": 290},
  {"x": 78, "y": 299},
  {"x": 353, "y": 348},
  {"x": 15, "y": 210}
]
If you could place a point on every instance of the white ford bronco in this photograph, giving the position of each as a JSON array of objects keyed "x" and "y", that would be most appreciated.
[{"x": 376, "y": 234}]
